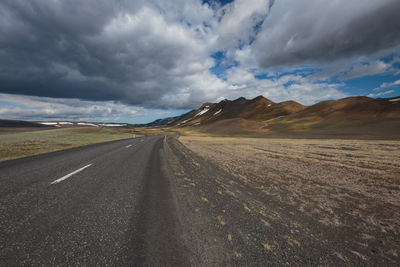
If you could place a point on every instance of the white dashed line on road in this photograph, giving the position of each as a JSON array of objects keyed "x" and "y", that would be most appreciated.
[
  {"x": 128, "y": 146},
  {"x": 69, "y": 175}
]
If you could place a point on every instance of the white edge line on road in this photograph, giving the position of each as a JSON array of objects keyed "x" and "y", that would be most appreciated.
[
  {"x": 128, "y": 146},
  {"x": 69, "y": 175}
]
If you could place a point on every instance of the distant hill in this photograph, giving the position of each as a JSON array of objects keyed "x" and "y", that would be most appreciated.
[
  {"x": 59, "y": 124},
  {"x": 356, "y": 115},
  {"x": 261, "y": 116},
  {"x": 161, "y": 122},
  {"x": 20, "y": 124},
  {"x": 257, "y": 109},
  {"x": 354, "y": 107}
]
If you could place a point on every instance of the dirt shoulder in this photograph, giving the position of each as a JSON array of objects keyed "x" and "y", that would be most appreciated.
[{"x": 283, "y": 201}]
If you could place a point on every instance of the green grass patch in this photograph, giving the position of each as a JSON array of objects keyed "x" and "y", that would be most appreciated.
[
  {"x": 285, "y": 124},
  {"x": 22, "y": 144}
]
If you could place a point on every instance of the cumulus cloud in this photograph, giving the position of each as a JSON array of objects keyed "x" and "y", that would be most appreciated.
[
  {"x": 318, "y": 31},
  {"x": 282, "y": 87},
  {"x": 45, "y": 108},
  {"x": 368, "y": 69},
  {"x": 381, "y": 93},
  {"x": 159, "y": 54},
  {"x": 387, "y": 85},
  {"x": 132, "y": 53},
  {"x": 240, "y": 21}
]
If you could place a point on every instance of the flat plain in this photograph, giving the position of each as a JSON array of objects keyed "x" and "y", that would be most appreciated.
[
  {"x": 16, "y": 142},
  {"x": 343, "y": 193}
]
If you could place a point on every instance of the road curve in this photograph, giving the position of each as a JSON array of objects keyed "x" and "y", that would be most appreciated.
[{"x": 104, "y": 204}]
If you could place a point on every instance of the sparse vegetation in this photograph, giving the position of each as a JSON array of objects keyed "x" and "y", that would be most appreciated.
[
  {"x": 325, "y": 179},
  {"x": 21, "y": 144},
  {"x": 281, "y": 194},
  {"x": 153, "y": 131}
]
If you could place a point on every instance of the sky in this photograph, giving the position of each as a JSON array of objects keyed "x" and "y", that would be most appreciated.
[{"x": 136, "y": 61}]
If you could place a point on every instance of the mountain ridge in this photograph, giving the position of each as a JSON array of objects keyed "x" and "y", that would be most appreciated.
[
  {"x": 258, "y": 108},
  {"x": 263, "y": 116}
]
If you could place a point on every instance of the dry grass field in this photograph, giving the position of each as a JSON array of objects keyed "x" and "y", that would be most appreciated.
[
  {"x": 150, "y": 131},
  {"x": 346, "y": 184},
  {"x": 17, "y": 144}
]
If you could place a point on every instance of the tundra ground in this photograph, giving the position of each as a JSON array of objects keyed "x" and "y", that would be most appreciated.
[
  {"x": 290, "y": 201},
  {"x": 16, "y": 143}
]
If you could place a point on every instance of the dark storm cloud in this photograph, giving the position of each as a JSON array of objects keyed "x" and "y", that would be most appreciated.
[
  {"x": 93, "y": 50},
  {"x": 157, "y": 54},
  {"x": 316, "y": 31},
  {"x": 36, "y": 35}
]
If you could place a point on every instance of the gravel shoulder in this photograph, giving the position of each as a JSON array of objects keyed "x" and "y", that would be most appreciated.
[{"x": 257, "y": 202}]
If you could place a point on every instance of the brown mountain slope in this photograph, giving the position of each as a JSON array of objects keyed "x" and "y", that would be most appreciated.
[
  {"x": 361, "y": 107},
  {"x": 259, "y": 116},
  {"x": 361, "y": 115},
  {"x": 257, "y": 109}
]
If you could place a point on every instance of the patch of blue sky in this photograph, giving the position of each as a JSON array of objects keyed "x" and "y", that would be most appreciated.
[
  {"x": 366, "y": 85},
  {"x": 221, "y": 2},
  {"x": 396, "y": 66},
  {"x": 390, "y": 58},
  {"x": 256, "y": 29},
  {"x": 12, "y": 105},
  {"x": 152, "y": 115},
  {"x": 303, "y": 71},
  {"x": 222, "y": 64}
]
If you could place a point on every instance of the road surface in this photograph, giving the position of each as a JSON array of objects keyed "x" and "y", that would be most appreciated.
[{"x": 104, "y": 204}]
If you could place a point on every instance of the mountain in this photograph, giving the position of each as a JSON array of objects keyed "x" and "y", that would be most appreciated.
[
  {"x": 259, "y": 116},
  {"x": 257, "y": 109},
  {"x": 161, "y": 122},
  {"x": 19, "y": 124},
  {"x": 353, "y": 108}
]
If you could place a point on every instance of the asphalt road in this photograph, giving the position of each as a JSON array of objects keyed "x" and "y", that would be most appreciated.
[{"x": 106, "y": 204}]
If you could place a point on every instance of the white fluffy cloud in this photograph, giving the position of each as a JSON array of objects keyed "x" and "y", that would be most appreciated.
[
  {"x": 239, "y": 22},
  {"x": 281, "y": 88},
  {"x": 44, "y": 108},
  {"x": 387, "y": 85},
  {"x": 321, "y": 30},
  {"x": 133, "y": 53},
  {"x": 159, "y": 54}
]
